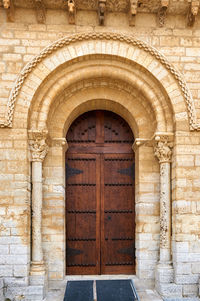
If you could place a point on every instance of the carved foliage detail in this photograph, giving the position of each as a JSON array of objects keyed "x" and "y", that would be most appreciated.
[
  {"x": 37, "y": 144},
  {"x": 163, "y": 149}
]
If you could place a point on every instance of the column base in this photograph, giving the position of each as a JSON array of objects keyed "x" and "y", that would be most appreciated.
[
  {"x": 164, "y": 283},
  {"x": 37, "y": 268},
  {"x": 164, "y": 272},
  {"x": 38, "y": 284}
]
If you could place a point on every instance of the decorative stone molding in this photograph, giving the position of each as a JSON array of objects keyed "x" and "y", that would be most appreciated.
[
  {"x": 139, "y": 142},
  {"x": 72, "y": 11},
  {"x": 163, "y": 149},
  {"x": 133, "y": 12},
  {"x": 162, "y": 12},
  {"x": 59, "y": 142},
  {"x": 101, "y": 11},
  {"x": 40, "y": 11},
  {"x": 100, "y": 36},
  {"x": 37, "y": 144},
  {"x": 193, "y": 11}
]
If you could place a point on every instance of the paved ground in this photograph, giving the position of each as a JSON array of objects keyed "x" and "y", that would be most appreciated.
[{"x": 58, "y": 288}]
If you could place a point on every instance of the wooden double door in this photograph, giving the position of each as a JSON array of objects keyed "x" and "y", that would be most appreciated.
[{"x": 100, "y": 219}]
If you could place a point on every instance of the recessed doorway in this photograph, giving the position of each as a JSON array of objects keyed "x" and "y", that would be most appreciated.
[{"x": 100, "y": 207}]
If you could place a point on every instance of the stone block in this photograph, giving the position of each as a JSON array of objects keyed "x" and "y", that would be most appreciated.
[
  {"x": 6, "y": 270},
  {"x": 36, "y": 293},
  {"x": 21, "y": 270},
  {"x": 187, "y": 279},
  {"x": 182, "y": 247},
  {"x": 1, "y": 294},
  {"x": 14, "y": 292},
  {"x": 196, "y": 268},
  {"x": 1, "y": 283},
  {"x": 14, "y": 259},
  {"x": 164, "y": 274},
  {"x": 4, "y": 249},
  {"x": 36, "y": 280},
  {"x": 183, "y": 268},
  {"x": 169, "y": 290},
  {"x": 19, "y": 250},
  {"x": 16, "y": 281},
  {"x": 190, "y": 290}
]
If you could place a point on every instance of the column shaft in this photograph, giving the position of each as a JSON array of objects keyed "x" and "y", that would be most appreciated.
[
  {"x": 39, "y": 150},
  {"x": 37, "y": 254},
  {"x": 165, "y": 213}
]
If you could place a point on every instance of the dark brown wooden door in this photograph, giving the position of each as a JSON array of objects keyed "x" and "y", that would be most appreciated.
[{"x": 100, "y": 221}]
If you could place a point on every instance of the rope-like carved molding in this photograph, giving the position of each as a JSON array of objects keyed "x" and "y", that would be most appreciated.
[{"x": 100, "y": 36}]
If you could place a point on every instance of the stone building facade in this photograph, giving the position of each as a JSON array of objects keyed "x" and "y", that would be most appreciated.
[{"x": 138, "y": 59}]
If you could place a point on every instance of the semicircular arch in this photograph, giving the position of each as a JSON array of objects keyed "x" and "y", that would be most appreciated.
[{"x": 128, "y": 48}]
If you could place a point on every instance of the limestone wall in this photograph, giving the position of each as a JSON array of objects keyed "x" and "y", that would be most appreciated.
[{"x": 19, "y": 43}]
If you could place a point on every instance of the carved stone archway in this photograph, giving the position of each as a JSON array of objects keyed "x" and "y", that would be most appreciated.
[{"x": 112, "y": 72}]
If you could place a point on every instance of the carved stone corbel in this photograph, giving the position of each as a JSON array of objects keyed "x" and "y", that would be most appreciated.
[
  {"x": 133, "y": 12},
  {"x": 101, "y": 11},
  {"x": 72, "y": 11},
  {"x": 40, "y": 11},
  {"x": 10, "y": 10},
  {"x": 193, "y": 12},
  {"x": 162, "y": 12}
]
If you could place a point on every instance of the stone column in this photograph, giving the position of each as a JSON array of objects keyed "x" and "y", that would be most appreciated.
[
  {"x": 163, "y": 151},
  {"x": 39, "y": 150}
]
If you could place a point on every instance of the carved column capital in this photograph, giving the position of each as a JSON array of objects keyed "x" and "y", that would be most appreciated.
[
  {"x": 163, "y": 148},
  {"x": 37, "y": 144}
]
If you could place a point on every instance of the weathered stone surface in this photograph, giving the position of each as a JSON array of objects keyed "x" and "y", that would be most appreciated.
[{"x": 104, "y": 71}]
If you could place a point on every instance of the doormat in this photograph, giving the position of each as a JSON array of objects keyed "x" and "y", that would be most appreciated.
[
  {"x": 116, "y": 290},
  {"x": 106, "y": 290},
  {"x": 79, "y": 291}
]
